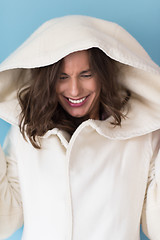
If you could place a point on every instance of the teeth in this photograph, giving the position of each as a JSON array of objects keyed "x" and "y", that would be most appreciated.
[{"x": 77, "y": 101}]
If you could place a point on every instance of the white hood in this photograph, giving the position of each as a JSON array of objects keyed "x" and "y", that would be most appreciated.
[{"x": 60, "y": 36}]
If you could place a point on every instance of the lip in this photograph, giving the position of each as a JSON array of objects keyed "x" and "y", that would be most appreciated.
[{"x": 76, "y": 104}]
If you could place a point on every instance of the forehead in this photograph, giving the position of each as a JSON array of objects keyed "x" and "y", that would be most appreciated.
[{"x": 76, "y": 60}]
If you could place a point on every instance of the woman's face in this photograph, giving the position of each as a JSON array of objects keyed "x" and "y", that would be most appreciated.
[{"x": 78, "y": 88}]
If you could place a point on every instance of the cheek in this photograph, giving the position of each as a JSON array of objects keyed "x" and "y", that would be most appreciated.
[
  {"x": 59, "y": 88},
  {"x": 91, "y": 85}
]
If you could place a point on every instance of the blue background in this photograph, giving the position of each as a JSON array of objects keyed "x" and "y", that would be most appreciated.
[{"x": 19, "y": 18}]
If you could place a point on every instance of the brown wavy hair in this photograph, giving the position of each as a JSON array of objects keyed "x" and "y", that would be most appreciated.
[{"x": 41, "y": 110}]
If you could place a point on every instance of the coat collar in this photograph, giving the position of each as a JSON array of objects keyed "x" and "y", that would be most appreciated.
[{"x": 130, "y": 127}]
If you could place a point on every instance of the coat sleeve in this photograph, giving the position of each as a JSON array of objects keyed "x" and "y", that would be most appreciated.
[
  {"x": 11, "y": 213},
  {"x": 151, "y": 208}
]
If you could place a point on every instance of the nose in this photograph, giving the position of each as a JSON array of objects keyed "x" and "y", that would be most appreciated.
[{"x": 74, "y": 87}]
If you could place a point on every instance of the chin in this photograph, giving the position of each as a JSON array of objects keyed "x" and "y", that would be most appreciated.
[{"x": 78, "y": 116}]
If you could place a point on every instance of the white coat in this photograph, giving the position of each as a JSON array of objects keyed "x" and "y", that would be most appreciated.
[{"x": 102, "y": 182}]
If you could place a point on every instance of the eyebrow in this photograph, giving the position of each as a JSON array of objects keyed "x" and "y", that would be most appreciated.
[
  {"x": 83, "y": 72},
  {"x": 64, "y": 74}
]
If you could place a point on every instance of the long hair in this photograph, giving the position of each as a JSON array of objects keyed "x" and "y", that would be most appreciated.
[{"x": 41, "y": 110}]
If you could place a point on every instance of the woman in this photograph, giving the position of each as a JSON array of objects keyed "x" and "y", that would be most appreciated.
[{"x": 82, "y": 157}]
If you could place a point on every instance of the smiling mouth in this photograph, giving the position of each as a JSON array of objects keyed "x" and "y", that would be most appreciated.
[{"x": 76, "y": 102}]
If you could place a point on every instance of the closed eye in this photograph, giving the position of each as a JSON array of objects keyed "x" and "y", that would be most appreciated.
[
  {"x": 86, "y": 75},
  {"x": 64, "y": 77}
]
